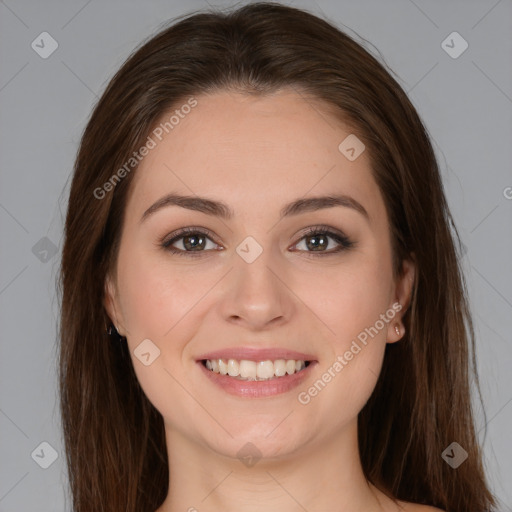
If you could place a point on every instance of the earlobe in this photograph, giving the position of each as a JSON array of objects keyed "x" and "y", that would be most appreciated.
[
  {"x": 403, "y": 294},
  {"x": 396, "y": 331}
]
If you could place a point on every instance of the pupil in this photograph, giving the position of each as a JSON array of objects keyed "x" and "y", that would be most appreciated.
[
  {"x": 195, "y": 239},
  {"x": 194, "y": 242},
  {"x": 316, "y": 246}
]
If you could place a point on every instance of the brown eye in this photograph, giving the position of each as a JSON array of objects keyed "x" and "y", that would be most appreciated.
[
  {"x": 192, "y": 240},
  {"x": 318, "y": 240}
]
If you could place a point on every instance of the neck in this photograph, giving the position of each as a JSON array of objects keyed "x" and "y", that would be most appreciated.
[{"x": 325, "y": 476}]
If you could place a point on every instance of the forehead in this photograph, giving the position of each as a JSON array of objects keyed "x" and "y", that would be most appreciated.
[{"x": 252, "y": 152}]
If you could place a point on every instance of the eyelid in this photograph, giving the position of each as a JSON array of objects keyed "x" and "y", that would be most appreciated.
[
  {"x": 343, "y": 241},
  {"x": 167, "y": 239},
  {"x": 323, "y": 228}
]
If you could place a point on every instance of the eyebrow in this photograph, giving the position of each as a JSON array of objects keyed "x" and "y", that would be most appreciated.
[{"x": 222, "y": 210}]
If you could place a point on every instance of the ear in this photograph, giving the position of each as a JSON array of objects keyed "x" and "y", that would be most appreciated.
[
  {"x": 403, "y": 294},
  {"x": 110, "y": 302}
]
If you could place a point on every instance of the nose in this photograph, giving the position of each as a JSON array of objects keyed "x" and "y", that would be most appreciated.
[{"x": 256, "y": 295}]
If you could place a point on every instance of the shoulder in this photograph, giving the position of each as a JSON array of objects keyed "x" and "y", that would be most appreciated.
[{"x": 416, "y": 507}]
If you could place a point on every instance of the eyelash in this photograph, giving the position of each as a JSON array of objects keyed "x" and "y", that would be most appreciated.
[{"x": 344, "y": 241}]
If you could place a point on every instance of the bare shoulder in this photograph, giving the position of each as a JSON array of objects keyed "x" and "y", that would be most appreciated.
[{"x": 416, "y": 507}]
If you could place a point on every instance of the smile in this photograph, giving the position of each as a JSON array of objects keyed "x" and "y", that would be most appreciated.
[
  {"x": 258, "y": 378},
  {"x": 255, "y": 370}
]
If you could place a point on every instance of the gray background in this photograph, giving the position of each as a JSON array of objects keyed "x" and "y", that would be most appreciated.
[{"x": 465, "y": 102}]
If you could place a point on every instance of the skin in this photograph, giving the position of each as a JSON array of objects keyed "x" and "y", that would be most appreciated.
[{"x": 257, "y": 154}]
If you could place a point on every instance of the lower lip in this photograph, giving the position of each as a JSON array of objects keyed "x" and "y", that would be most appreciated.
[{"x": 257, "y": 388}]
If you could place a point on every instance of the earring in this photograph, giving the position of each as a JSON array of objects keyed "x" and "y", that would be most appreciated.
[
  {"x": 397, "y": 329},
  {"x": 113, "y": 332}
]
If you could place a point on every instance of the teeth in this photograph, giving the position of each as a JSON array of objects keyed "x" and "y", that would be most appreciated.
[
  {"x": 255, "y": 370},
  {"x": 247, "y": 369},
  {"x": 223, "y": 367},
  {"x": 233, "y": 368},
  {"x": 280, "y": 367},
  {"x": 265, "y": 370}
]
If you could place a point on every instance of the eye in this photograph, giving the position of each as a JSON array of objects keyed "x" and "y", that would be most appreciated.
[
  {"x": 193, "y": 240},
  {"x": 316, "y": 240}
]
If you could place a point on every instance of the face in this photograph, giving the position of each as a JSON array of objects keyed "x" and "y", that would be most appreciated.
[{"x": 262, "y": 287}]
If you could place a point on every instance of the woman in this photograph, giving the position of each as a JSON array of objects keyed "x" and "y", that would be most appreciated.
[{"x": 262, "y": 303}]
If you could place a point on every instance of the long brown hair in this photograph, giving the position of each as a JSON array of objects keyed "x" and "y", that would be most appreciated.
[{"x": 114, "y": 437}]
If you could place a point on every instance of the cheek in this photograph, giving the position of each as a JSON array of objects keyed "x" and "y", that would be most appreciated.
[
  {"x": 157, "y": 303},
  {"x": 342, "y": 388},
  {"x": 154, "y": 295},
  {"x": 356, "y": 307},
  {"x": 347, "y": 300},
  {"x": 165, "y": 303},
  {"x": 353, "y": 308}
]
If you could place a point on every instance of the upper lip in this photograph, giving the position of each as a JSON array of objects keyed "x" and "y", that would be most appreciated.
[{"x": 257, "y": 354}]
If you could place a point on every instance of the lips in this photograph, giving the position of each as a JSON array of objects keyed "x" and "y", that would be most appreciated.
[
  {"x": 260, "y": 385},
  {"x": 257, "y": 354}
]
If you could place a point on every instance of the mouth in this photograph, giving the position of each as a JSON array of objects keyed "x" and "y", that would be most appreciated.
[
  {"x": 248, "y": 370},
  {"x": 257, "y": 376}
]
